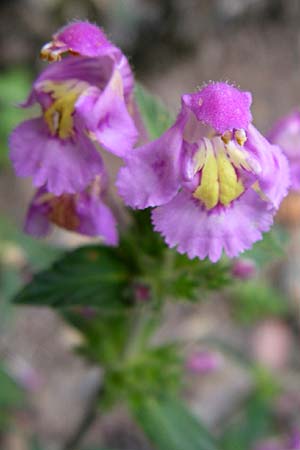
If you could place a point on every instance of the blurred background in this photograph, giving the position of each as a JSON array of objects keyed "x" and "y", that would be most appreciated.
[{"x": 174, "y": 46}]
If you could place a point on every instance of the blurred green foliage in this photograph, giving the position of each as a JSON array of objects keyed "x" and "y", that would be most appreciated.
[
  {"x": 256, "y": 299},
  {"x": 39, "y": 254},
  {"x": 14, "y": 88},
  {"x": 11, "y": 397},
  {"x": 155, "y": 116}
]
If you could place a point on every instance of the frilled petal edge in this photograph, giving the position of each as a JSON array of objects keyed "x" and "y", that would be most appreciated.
[{"x": 186, "y": 224}]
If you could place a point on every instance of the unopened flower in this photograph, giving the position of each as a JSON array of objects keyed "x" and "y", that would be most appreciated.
[
  {"x": 142, "y": 292},
  {"x": 286, "y": 134},
  {"x": 243, "y": 269},
  {"x": 81, "y": 98},
  {"x": 84, "y": 213},
  {"x": 215, "y": 180},
  {"x": 203, "y": 362}
]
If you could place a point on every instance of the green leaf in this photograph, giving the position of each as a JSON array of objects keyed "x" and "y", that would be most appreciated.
[
  {"x": 170, "y": 426},
  {"x": 254, "y": 424},
  {"x": 156, "y": 117},
  {"x": 91, "y": 275}
]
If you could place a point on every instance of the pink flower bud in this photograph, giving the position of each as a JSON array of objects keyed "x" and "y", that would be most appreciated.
[
  {"x": 204, "y": 362},
  {"x": 244, "y": 269}
]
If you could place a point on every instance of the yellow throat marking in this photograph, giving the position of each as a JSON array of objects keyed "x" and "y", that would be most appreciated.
[
  {"x": 219, "y": 182},
  {"x": 59, "y": 116}
]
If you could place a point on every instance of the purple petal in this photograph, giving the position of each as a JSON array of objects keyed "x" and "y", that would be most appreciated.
[
  {"x": 61, "y": 165},
  {"x": 152, "y": 174},
  {"x": 84, "y": 38},
  {"x": 187, "y": 225},
  {"x": 221, "y": 106},
  {"x": 94, "y": 71},
  {"x": 274, "y": 178},
  {"x": 106, "y": 117},
  {"x": 96, "y": 219},
  {"x": 37, "y": 223},
  {"x": 286, "y": 134}
]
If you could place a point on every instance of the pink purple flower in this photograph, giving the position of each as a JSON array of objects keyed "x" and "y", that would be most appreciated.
[
  {"x": 286, "y": 134},
  {"x": 84, "y": 213},
  {"x": 215, "y": 181},
  {"x": 82, "y": 99}
]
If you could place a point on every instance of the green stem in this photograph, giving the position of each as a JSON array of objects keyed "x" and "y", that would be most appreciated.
[
  {"x": 84, "y": 425},
  {"x": 141, "y": 325}
]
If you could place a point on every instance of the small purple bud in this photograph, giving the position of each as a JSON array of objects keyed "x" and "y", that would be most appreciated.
[
  {"x": 243, "y": 269},
  {"x": 269, "y": 445},
  {"x": 88, "y": 312},
  {"x": 26, "y": 375},
  {"x": 141, "y": 292},
  {"x": 203, "y": 362}
]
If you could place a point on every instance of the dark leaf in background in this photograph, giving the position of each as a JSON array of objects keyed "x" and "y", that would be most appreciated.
[
  {"x": 91, "y": 275},
  {"x": 170, "y": 426}
]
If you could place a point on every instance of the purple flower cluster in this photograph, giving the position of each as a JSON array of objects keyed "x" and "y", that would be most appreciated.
[
  {"x": 214, "y": 181},
  {"x": 85, "y": 99}
]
